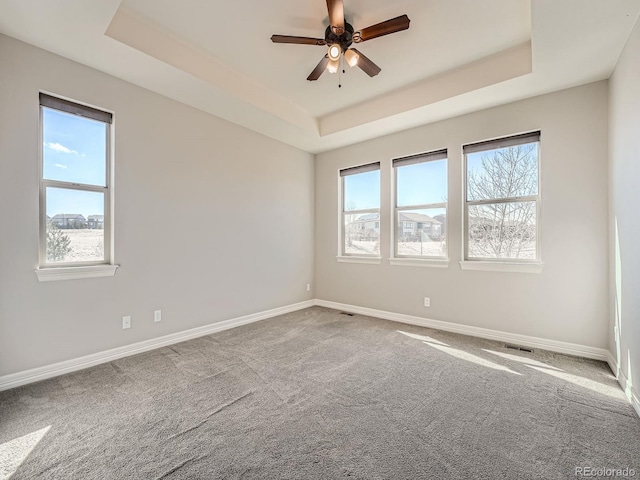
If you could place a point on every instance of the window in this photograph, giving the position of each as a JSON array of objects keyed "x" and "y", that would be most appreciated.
[
  {"x": 421, "y": 206},
  {"x": 74, "y": 184},
  {"x": 361, "y": 210},
  {"x": 502, "y": 207}
]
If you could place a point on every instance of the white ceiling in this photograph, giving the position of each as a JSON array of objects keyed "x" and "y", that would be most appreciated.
[{"x": 457, "y": 56}]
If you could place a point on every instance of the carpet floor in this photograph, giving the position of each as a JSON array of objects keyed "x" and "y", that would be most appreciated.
[{"x": 317, "y": 394}]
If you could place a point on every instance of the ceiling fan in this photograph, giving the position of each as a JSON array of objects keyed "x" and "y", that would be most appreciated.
[{"x": 339, "y": 36}]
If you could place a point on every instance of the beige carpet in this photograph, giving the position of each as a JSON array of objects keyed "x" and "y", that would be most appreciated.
[{"x": 316, "y": 394}]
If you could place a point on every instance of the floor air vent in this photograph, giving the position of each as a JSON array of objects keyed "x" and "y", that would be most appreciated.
[
  {"x": 346, "y": 313},
  {"x": 516, "y": 347}
]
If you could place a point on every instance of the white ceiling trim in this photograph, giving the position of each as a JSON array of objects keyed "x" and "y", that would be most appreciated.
[
  {"x": 171, "y": 48},
  {"x": 503, "y": 66},
  {"x": 135, "y": 31},
  {"x": 145, "y": 36}
]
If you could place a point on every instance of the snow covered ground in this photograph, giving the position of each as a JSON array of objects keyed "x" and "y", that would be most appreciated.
[
  {"x": 87, "y": 245},
  {"x": 423, "y": 249},
  {"x": 437, "y": 249},
  {"x": 427, "y": 249}
]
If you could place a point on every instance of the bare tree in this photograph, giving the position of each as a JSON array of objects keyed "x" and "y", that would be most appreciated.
[
  {"x": 504, "y": 229},
  {"x": 349, "y": 219}
]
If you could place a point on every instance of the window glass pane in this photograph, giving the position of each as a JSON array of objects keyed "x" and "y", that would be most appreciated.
[
  {"x": 503, "y": 230},
  {"x": 74, "y": 148},
  {"x": 75, "y": 225},
  {"x": 422, "y": 233},
  {"x": 362, "y": 234},
  {"x": 503, "y": 173},
  {"x": 422, "y": 183},
  {"x": 362, "y": 191}
]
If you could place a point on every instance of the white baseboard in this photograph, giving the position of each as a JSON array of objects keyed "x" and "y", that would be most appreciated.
[
  {"x": 635, "y": 402},
  {"x": 627, "y": 388},
  {"x": 613, "y": 364},
  {"x": 41, "y": 373},
  {"x": 514, "y": 338},
  {"x": 48, "y": 371}
]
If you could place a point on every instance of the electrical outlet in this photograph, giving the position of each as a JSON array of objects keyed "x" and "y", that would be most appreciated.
[
  {"x": 308, "y": 287},
  {"x": 427, "y": 302},
  {"x": 126, "y": 322},
  {"x": 157, "y": 316}
]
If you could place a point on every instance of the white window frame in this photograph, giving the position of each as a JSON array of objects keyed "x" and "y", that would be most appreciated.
[
  {"x": 417, "y": 260},
  {"x": 342, "y": 255},
  {"x": 48, "y": 271},
  {"x": 502, "y": 264}
]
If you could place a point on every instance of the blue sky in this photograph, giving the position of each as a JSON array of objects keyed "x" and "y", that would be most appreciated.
[
  {"x": 74, "y": 150},
  {"x": 422, "y": 183},
  {"x": 61, "y": 200},
  {"x": 419, "y": 184},
  {"x": 362, "y": 191}
]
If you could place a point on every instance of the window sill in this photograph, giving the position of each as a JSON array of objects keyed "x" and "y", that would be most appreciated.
[
  {"x": 72, "y": 273},
  {"x": 365, "y": 260},
  {"x": 420, "y": 262},
  {"x": 502, "y": 266}
]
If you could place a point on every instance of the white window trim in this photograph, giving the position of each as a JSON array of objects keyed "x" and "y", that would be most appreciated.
[
  {"x": 370, "y": 260},
  {"x": 74, "y": 273},
  {"x": 420, "y": 262},
  {"x": 409, "y": 260},
  {"x": 497, "y": 266},
  {"x": 76, "y": 270},
  {"x": 503, "y": 264},
  {"x": 342, "y": 256}
]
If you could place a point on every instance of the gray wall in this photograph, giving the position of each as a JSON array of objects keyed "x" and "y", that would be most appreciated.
[
  {"x": 624, "y": 144},
  {"x": 568, "y": 301},
  {"x": 212, "y": 221}
]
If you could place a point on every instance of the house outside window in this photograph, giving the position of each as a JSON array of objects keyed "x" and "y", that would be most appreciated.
[
  {"x": 360, "y": 199},
  {"x": 75, "y": 196},
  {"x": 421, "y": 206},
  {"x": 502, "y": 204}
]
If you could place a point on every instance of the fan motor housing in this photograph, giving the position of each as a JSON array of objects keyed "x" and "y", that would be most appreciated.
[{"x": 344, "y": 40}]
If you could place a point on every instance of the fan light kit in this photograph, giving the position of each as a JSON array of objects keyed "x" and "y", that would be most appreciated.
[
  {"x": 339, "y": 36},
  {"x": 351, "y": 57},
  {"x": 334, "y": 52}
]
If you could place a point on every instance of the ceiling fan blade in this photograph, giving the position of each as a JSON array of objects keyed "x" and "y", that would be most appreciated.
[
  {"x": 297, "y": 40},
  {"x": 385, "y": 28},
  {"x": 367, "y": 65},
  {"x": 336, "y": 16},
  {"x": 320, "y": 68}
]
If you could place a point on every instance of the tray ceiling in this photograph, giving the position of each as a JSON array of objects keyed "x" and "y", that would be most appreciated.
[{"x": 458, "y": 56}]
